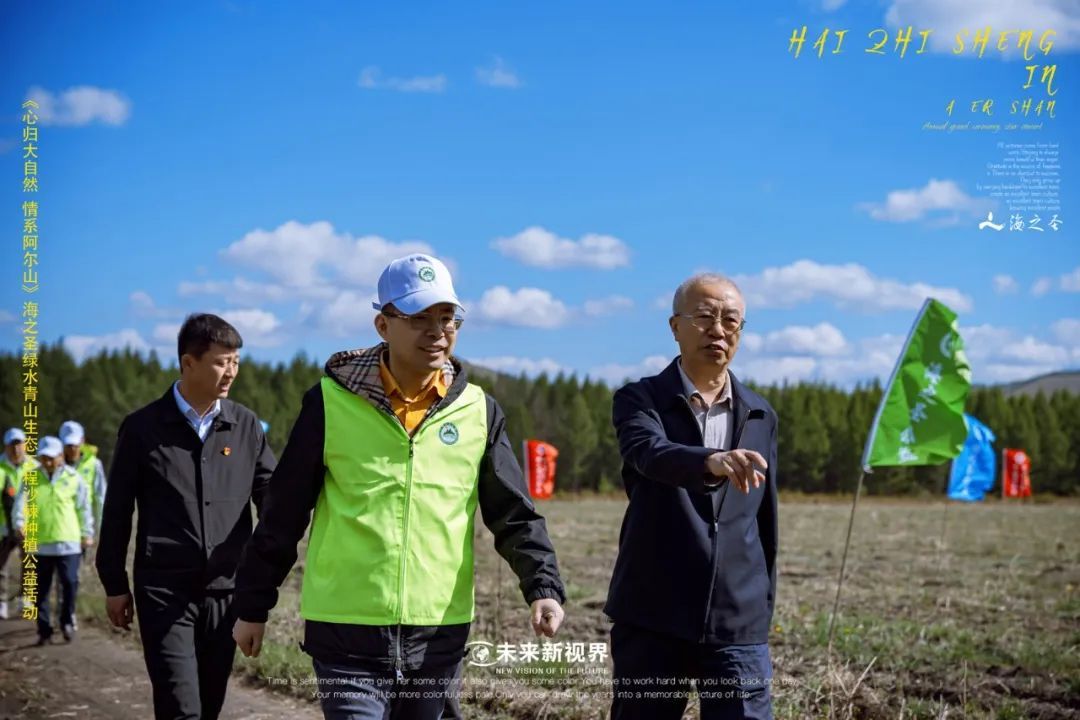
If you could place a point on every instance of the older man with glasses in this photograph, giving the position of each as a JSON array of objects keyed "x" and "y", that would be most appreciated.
[
  {"x": 694, "y": 584},
  {"x": 393, "y": 450}
]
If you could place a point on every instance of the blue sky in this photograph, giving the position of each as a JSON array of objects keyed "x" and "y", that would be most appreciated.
[{"x": 571, "y": 164}]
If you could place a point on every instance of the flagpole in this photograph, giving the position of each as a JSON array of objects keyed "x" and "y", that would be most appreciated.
[
  {"x": 843, "y": 561},
  {"x": 865, "y": 467},
  {"x": 945, "y": 517}
]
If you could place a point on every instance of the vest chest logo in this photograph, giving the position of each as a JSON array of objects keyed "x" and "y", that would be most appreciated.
[
  {"x": 427, "y": 273},
  {"x": 448, "y": 433}
]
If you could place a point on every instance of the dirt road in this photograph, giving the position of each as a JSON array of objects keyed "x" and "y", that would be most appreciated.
[{"x": 97, "y": 677}]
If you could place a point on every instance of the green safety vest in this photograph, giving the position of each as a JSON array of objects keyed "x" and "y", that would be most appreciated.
[
  {"x": 58, "y": 518},
  {"x": 12, "y": 478},
  {"x": 392, "y": 536},
  {"x": 87, "y": 468}
]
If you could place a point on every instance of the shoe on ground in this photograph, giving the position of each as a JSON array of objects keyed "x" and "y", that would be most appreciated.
[
  {"x": 68, "y": 632},
  {"x": 42, "y": 640},
  {"x": 3, "y": 610}
]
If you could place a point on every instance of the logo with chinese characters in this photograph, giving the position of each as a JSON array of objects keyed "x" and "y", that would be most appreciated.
[
  {"x": 448, "y": 433},
  {"x": 427, "y": 273},
  {"x": 1019, "y": 223},
  {"x": 485, "y": 654}
]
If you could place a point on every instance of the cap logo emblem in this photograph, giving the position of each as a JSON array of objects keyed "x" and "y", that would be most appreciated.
[{"x": 427, "y": 273}]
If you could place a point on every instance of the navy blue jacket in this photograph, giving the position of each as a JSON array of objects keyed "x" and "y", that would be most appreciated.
[{"x": 695, "y": 562}]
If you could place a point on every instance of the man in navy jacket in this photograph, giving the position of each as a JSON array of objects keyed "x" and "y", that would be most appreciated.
[{"x": 694, "y": 585}]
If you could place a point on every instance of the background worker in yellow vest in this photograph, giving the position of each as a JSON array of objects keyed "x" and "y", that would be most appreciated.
[
  {"x": 83, "y": 458},
  {"x": 394, "y": 450},
  {"x": 14, "y": 465},
  {"x": 64, "y": 527}
]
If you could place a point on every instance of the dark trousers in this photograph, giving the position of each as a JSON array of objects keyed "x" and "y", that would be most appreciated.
[
  {"x": 66, "y": 570},
  {"x": 188, "y": 647},
  {"x": 349, "y": 692},
  {"x": 653, "y": 675}
]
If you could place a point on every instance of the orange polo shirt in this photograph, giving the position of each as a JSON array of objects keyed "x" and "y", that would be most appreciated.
[{"x": 410, "y": 411}]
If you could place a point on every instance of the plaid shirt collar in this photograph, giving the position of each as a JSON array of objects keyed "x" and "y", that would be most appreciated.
[{"x": 358, "y": 372}]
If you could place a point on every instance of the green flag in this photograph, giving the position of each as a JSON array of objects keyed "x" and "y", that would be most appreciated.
[{"x": 920, "y": 420}]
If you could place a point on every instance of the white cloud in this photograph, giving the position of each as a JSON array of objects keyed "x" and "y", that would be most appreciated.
[
  {"x": 306, "y": 259},
  {"x": 538, "y": 247},
  {"x": 80, "y": 105},
  {"x": 1005, "y": 284},
  {"x": 1067, "y": 331},
  {"x": 948, "y": 17},
  {"x": 291, "y": 253},
  {"x": 849, "y": 286},
  {"x": 1030, "y": 350},
  {"x": 774, "y": 370},
  {"x": 1070, "y": 282},
  {"x": 258, "y": 328},
  {"x": 1042, "y": 286},
  {"x": 365, "y": 258},
  {"x": 526, "y": 307},
  {"x": 916, "y": 203},
  {"x": 752, "y": 342},
  {"x": 241, "y": 291},
  {"x": 831, "y": 5},
  {"x": 607, "y": 306},
  {"x": 166, "y": 332},
  {"x": 1002, "y": 372},
  {"x": 498, "y": 74},
  {"x": 999, "y": 354},
  {"x": 519, "y": 365},
  {"x": 83, "y": 346},
  {"x": 371, "y": 79},
  {"x": 615, "y": 374},
  {"x": 348, "y": 314},
  {"x": 7, "y": 317},
  {"x": 822, "y": 339}
]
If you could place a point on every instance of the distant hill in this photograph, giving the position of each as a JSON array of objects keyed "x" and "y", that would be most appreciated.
[{"x": 1049, "y": 383}]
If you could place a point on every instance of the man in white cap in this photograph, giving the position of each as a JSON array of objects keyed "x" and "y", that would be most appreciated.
[
  {"x": 393, "y": 450},
  {"x": 64, "y": 528},
  {"x": 14, "y": 465},
  {"x": 84, "y": 460}
]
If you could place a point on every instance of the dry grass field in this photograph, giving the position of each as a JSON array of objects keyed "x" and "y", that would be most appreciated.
[{"x": 981, "y": 621}]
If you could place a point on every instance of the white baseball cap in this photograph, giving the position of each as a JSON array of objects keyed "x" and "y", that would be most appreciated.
[
  {"x": 50, "y": 446},
  {"x": 414, "y": 283},
  {"x": 71, "y": 433},
  {"x": 14, "y": 435}
]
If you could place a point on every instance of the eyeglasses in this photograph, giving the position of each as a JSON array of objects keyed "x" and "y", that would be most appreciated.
[
  {"x": 447, "y": 322},
  {"x": 705, "y": 321}
]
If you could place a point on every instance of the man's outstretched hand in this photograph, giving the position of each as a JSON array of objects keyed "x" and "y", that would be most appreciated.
[{"x": 547, "y": 616}]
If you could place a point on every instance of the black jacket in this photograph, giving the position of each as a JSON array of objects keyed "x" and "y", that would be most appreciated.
[
  {"x": 520, "y": 532},
  {"x": 695, "y": 562},
  {"x": 193, "y": 497}
]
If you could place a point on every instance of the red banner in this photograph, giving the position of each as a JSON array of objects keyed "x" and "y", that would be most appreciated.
[
  {"x": 1016, "y": 474},
  {"x": 540, "y": 468}
]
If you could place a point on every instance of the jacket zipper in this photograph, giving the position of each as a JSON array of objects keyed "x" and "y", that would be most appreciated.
[
  {"x": 398, "y": 654},
  {"x": 399, "y": 660},
  {"x": 715, "y": 532}
]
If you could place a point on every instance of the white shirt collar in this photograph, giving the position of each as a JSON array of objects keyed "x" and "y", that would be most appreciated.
[
  {"x": 691, "y": 389},
  {"x": 189, "y": 412}
]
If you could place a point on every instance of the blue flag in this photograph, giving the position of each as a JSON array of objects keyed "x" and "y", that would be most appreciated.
[{"x": 973, "y": 470}]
